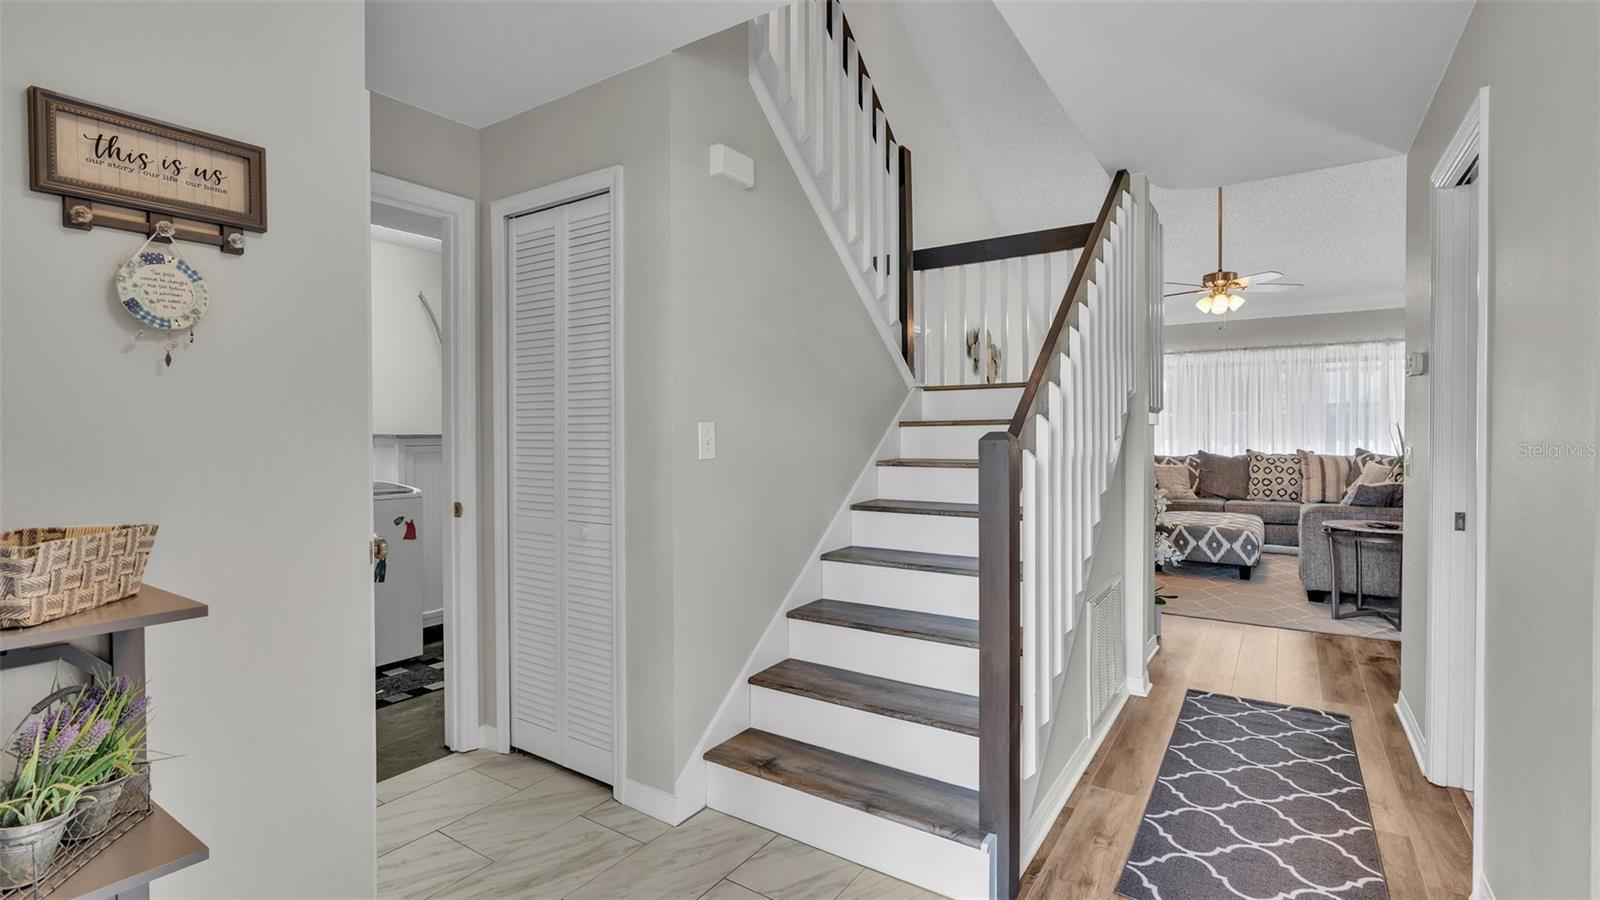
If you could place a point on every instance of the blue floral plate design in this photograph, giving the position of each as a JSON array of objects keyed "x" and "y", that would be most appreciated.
[{"x": 162, "y": 291}]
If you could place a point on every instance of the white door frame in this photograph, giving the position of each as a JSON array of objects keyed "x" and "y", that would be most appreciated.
[
  {"x": 608, "y": 180},
  {"x": 1451, "y": 648},
  {"x": 459, "y": 345}
]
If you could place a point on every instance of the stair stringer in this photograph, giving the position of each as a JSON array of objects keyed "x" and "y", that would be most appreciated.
[{"x": 733, "y": 713}]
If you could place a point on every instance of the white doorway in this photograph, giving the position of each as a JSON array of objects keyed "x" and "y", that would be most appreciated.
[
  {"x": 1452, "y": 745},
  {"x": 558, "y": 463},
  {"x": 441, "y": 458}
]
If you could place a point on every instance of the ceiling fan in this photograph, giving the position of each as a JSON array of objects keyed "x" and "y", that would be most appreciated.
[{"x": 1222, "y": 292}]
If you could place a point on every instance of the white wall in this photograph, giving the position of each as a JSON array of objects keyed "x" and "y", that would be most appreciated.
[
  {"x": 1285, "y": 331},
  {"x": 406, "y": 357},
  {"x": 1541, "y": 64},
  {"x": 250, "y": 451}
]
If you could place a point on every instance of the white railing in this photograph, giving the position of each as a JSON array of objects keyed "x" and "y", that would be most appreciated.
[
  {"x": 1042, "y": 483},
  {"x": 809, "y": 77},
  {"x": 985, "y": 322}
]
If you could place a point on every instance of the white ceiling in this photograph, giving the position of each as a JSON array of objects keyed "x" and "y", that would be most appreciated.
[
  {"x": 1341, "y": 232},
  {"x": 481, "y": 62},
  {"x": 1196, "y": 94}
]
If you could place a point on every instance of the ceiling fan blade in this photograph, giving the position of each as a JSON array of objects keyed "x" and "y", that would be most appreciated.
[
  {"x": 1182, "y": 284},
  {"x": 1186, "y": 293},
  {"x": 1260, "y": 277},
  {"x": 1272, "y": 287}
]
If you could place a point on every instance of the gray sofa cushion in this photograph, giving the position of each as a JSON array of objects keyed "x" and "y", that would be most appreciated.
[
  {"x": 1227, "y": 477},
  {"x": 1272, "y": 512},
  {"x": 1380, "y": 568},
  {"x": 1197, "y": 504}
]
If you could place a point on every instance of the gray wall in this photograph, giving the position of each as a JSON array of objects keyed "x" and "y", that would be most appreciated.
[
  {"x": 423, "y": 148},
  {"x": 250, "y": 452},
  {"x": 737, "y": 311},
  {"x": 1282, "y": 331},
  {"x": 1540, "y": 62}
]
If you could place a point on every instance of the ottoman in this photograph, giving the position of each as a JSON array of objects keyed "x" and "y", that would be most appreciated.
[{"x": 1229, "y": 539}]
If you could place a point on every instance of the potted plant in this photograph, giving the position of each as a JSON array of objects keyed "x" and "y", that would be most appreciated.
[
  {"x": 112, "y": 716},
  {"x": 38, "y": 801}
]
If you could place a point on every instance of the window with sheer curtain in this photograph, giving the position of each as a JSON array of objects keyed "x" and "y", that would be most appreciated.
[{"x": 1329, "y": 398}]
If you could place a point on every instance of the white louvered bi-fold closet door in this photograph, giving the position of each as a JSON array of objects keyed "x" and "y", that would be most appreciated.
[{"x": 562, "y": 431}]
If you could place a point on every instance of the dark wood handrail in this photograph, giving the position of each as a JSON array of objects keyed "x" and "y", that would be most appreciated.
[
  {"x": 1119, "y": 183},
  {"x": 1028, "y": 243}
]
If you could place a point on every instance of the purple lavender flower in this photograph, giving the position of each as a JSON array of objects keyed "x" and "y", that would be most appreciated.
[
  {"x": 30, "y": 733},
  {"x": 134, "y": 710},
  {"x": 97, "y": 733},
  {"x": 63, "y": 739},
  {"x": 123, "y": 684}
]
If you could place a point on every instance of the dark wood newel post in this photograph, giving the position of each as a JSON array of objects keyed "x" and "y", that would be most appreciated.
[
  {"x": 999, "y": 645},
  {"x": 908, "y": 325}
]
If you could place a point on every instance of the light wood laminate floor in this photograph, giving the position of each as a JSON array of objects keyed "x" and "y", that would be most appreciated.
[
  {"x": 1424, "y": 831},
  {"x": 482, "y": 825}
]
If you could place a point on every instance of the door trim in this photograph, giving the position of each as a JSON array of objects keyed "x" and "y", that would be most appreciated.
[
  {"x": 607, "y": 180},
  {"x": 1446, "y": 657},
  {"x": 458, "y": 256}
]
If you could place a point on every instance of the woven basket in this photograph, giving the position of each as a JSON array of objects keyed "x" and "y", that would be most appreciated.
[{"x": 47, "y": 573}]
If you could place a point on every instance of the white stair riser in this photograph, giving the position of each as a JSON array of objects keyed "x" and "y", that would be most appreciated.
[
  {"x": 921, "y": 749},
  {"x": 943, "y": 441},
  {"x": 934, "y": 592},
  {"x": 930, "y": 534},
  {"x": 923, "y": 859},
  {"x": 947, "y": 667},
  {"x": 988, "y": 403},
  {"x": 929, "y": 483}
]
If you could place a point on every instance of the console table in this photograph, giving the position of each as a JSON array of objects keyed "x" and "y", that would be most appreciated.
[
  {"x": 1360, "y": 533},
  {"x": 158, "y": 845}
]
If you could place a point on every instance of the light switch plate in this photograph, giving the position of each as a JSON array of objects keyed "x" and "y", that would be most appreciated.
[
  {"x": 708, "y": 440},
  {"x": 732, "y": 166}
]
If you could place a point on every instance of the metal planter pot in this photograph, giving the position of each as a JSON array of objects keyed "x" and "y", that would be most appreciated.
[
  {"x": 27, "y": 851},
  {"x": 95, "y": 807}
]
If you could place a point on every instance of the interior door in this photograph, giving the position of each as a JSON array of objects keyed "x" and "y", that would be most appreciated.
[{"x": 562, "y": 485}]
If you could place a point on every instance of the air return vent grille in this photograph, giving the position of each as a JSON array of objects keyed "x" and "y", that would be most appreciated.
[{"x": 1107, "y": 648}]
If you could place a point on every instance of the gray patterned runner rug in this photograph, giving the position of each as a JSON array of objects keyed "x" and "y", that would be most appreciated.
[{"x": 1256, "y": 800}]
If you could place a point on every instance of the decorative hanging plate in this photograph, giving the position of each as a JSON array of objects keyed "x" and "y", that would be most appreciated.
[{"x": 161, "y": 290}]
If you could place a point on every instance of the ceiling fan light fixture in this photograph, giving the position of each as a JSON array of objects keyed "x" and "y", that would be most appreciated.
[
  {"x": 1235, "y": 301},
  {"x": 1204, "y": 303}
]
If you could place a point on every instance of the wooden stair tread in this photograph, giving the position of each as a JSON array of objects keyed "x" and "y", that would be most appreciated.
[
  {"x": 943, "y": 423},
  {"x": 918, "y": 507},
  {"x": 915, "y": 801},
  {"x": 926, "y": 463},
  {"x": 888, "y": 620},
  {"x": 999, "y": 385},
  {"x": 918, "y": 703},
  {"x": 945, "y": 563}
]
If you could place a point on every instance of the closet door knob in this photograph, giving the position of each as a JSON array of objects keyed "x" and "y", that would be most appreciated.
[{"x": 583, "y": 531}]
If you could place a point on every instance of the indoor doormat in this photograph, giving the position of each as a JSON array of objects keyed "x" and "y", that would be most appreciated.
[
  {"x": 409, "y": 678},
  {"x": 1256, "y": 800}
]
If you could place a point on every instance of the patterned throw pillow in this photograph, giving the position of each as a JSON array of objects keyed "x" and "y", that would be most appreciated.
[
  {"x": 1173, "y": 480},
  {"x": 1375, "y": 472},
  {"x": 1274, "y": 476},
  {"x": 1386, "y": 493},
  {"x": 1326, "y": 478},
  {"x": 1362, "y": 457},
  {"x": 1191, "y": 463}
]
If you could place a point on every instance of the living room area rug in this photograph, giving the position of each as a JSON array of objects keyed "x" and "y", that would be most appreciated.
[
  {"x": 1272, "y": 597},
  {"x": 1257, "y": 800}
]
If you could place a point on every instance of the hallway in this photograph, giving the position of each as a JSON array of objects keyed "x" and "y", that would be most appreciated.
[{"x": 1424, "y": 831}]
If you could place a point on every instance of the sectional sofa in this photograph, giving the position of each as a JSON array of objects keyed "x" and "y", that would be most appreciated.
[{"x": 1223, "y": 484}]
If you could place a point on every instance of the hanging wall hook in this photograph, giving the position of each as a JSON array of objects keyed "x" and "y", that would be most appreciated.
[{"x": 79, "y": 214}]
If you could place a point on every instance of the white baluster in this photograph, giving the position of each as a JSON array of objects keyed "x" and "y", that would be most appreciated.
[
  {"x": 1030, "y": 613},
  {"x": 1058, "y": 523},
  {"x": 851, "y": 170},
  {"x": 1047, "y": 560},
  {"x": 833, "y": 66},
  {"x": 891, "y": 230}
]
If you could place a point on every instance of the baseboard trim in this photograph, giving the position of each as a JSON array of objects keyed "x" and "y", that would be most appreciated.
[
  {"x": 489, "y": 739},
  {"x": 1484, "y": 892},
  {"x": 1151, "y": 648},
  {"x": 1414, "y": 736},
  {"x": 1056, "y": 796},
  {"x": 432, "y": 618},
  {"x": 652, "y": 801}
]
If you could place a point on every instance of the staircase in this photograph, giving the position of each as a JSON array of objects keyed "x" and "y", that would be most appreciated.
[
  {"x": 904, "y": 728},
  {"x": 864, "y": 742}
]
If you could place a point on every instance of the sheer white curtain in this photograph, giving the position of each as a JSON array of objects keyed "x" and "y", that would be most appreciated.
[{"x": 1329, "y": 398}]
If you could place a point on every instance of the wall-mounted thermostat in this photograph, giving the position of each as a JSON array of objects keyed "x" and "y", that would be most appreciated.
[
  {"x": 1417, "y": 363},
  {"x": 732, "y": 166}
]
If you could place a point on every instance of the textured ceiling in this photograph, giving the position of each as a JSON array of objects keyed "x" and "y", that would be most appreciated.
[
  {"x": 481, "y": 62},
  {"x": 1341, "y": 232},
  {"x": 1197, "y": 94}
]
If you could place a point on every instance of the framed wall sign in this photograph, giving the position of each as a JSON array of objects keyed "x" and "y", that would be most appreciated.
[{"x": 92, "y": 154}]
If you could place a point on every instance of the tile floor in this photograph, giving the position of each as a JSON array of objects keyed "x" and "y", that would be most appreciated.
[
  {"x": 482, "y": 825},
  {"x": 1273, "y": 597}
]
